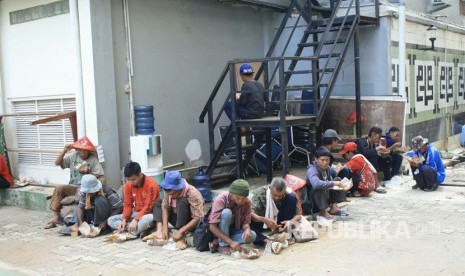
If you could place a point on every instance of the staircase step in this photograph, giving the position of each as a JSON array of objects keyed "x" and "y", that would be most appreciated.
[
  {"x": 302, "y": 72},
  {"x": 332, "y": 55},
  {"x": 229, "y": 162},
  {"x": 254, "y": 132},
  {"x": 321, "y": 29},
  {"x": 221, "y": 176},
  {"x": 314, "y": 44},
  {"x": 337, "y": 22},
  {"x": 303, "y": 87},
  {"x": 320, "y": 9},
  {"x": 244, "y": 147}
]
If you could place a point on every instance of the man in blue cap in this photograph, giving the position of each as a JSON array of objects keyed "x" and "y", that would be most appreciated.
[
  {"x": 182, "y": 207},
  {"x": 250, "y": 104}
]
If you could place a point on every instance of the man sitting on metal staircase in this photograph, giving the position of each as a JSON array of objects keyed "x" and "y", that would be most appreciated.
[{"x": 248, "y": 105}]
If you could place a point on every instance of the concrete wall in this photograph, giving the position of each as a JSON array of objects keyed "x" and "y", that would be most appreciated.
[
  {"x": 374, "y": 63},
  {"x": 383, "y": 112},
  {"x": 179, "y": 49}
]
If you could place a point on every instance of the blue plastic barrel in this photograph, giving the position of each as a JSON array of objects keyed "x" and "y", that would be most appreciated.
[
  {"x": 144, "y": 121},
  {"x": 202, "y": 182},
  {"x": 462, "y": 137}
]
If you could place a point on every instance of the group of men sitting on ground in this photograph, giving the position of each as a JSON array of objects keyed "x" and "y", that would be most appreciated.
[
  {"x": 234, "y": 218},
  {"x": 364, "y": 159}
]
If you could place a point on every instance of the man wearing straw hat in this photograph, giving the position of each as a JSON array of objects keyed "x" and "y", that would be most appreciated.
[{"x": 83, "y": 160}]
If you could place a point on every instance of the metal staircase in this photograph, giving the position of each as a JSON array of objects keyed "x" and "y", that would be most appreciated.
[{"x": 314, "y": 66}]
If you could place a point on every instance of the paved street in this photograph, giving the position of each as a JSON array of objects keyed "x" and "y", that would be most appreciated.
[{"x": 402, "y": 232}]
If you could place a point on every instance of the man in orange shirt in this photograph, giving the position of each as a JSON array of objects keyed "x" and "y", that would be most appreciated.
[
  {"x": 140, "y": 193},
  {"x": 5, "y": 178}
]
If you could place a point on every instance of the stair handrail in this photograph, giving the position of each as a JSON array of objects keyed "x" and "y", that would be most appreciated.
[
  {"x": 275, "y": 41},
  {"x": 328, "y": 27},
  {"x": 215, "y": 90},
  {"x": 324, "y": 100},
  {"x": 336, "y": 38}
]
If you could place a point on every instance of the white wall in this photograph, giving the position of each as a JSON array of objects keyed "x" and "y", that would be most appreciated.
[
  {"x": 35, "y": 54},
  {"x": 35, "y": 64},
  {"x": 39, "y": 61}
]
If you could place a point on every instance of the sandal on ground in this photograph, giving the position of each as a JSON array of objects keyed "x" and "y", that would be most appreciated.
[
  {"x": 65, "y": 231},
  {"x": 51, "y": 224},
  {"x": 329, "y": 217},
  {"x": 225, "y": 250},
  {"x": 380, "y": 190},
  {"x": 213, "y": 245},
  {"x": 340, "y": 213},
  {"x": 290, "y": 241}
]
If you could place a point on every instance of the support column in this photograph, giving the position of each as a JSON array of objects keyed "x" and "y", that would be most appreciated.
[{"x": 99, "y": 83}]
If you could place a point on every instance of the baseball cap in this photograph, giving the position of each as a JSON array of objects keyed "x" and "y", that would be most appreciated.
[
  {"x": 419, "y": 141},
  {"x": 331, "y": 133},
  {"x": 348, "y": 147},
  {"x": 245, "y": 69}
]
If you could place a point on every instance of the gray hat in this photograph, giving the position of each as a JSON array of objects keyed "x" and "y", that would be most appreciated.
[
  {"x": 331, "y": 133},
  {"x": 90, "y": 184},
  {"x": 419, "y": 141}
]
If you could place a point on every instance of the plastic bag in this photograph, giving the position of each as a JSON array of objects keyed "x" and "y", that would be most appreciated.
[{"x": 88, "y": 231}]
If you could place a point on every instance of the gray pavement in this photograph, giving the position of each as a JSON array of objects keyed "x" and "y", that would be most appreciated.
[{"x": 402, "y": 232}]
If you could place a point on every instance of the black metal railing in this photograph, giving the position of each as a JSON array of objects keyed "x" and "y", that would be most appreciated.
[{"x": 324, "y": 56}]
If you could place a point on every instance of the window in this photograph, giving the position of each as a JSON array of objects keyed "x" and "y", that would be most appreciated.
[{"x": 38, "y": 139}]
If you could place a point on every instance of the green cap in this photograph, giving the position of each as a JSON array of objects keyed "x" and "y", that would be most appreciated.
[{"x": 240, "y": 187}]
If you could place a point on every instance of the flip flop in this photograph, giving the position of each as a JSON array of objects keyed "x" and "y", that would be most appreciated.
[
  {"x": 51, "y": 224},
  {"x": 65, "y": 231},
  {"x": 340, "y": 213},
  {"x": 225, "y": 250}
]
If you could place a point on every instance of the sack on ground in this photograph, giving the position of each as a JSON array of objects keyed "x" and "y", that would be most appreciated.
[{"x": 303, "y": 231}]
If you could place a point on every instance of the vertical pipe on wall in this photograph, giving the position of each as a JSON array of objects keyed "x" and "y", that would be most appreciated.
[
  {"x": 358, "y": 99},
  {"x": 358, "y": 90},
  {"x": 401, "y": 11},
  {"x": 129, "y": 64},
  {"x": 80, "y": 107}
]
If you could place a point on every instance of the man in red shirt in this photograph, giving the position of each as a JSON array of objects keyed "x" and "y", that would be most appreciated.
[
  {"x": 362, "y": 172},
  {"x": 140, "y": 193},
  {"x": 5, "y": 178}
]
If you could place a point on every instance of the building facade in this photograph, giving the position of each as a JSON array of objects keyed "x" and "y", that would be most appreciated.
[{"x": 101, "y": 57}]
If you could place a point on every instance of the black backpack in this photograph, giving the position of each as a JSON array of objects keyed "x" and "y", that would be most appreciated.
[
  {"x": 202, "y": 234},
  {"x": 306, "y": 199}
]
